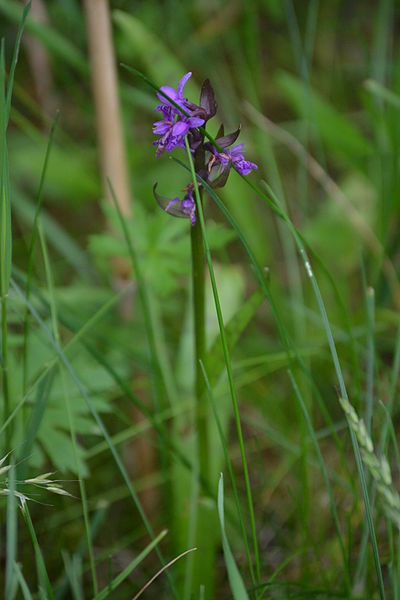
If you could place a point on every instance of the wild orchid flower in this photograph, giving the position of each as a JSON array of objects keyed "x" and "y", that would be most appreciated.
[{"x": 213, "y": 161}]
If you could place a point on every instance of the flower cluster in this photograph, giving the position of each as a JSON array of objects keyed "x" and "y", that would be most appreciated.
[{"x": 213, "y": 161}]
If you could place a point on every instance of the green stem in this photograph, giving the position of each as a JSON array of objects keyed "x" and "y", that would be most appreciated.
[
  {"x": 43, "y": 578},
  {"x": 4, "y": 366},
  {"x": 200, "y": 219},
  {"x": 198, "y": 266}
]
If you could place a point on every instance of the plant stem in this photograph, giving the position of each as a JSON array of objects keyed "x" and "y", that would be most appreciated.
[
  {"x": 4, "y": 366},
  {"x": 198, "y": 267},
  {"x": 224, "y": 343}
]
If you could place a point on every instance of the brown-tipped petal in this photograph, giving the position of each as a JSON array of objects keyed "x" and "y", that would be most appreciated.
[
  {"x": 222, "y": 178},
  {"x": 220, "y": 132},
  {"x": 229, "y": 139},
  {"x": 172, "y": 207},
  {"x": 207, "y": 99}
]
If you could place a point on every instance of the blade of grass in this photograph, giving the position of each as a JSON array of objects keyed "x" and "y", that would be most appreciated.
[
  {"x": 5, "y": 239},
  {"x": 22, "y": 583},
  {"x": 235, "y": 579},
  {"x": 171, "y": 562},
  {"x": 377, "y": 89},
  {"x": 73, "y": 571},
  {"x": 14, "y": 59},
  {"x": 128, "y": 570},
  {"x": 43, "y": 578},
  {"x": 11, "y": 585}
]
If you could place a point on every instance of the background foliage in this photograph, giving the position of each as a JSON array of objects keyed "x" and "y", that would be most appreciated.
[{"x": 316, "y": 88}]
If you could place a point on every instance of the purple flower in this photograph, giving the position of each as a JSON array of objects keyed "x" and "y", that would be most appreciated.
[
  {"x": 186, "y": 207},
  {"x": 172, "y": 132},
  {"x": 232, "y": 156},
  {"x": 175, "y": 95}
]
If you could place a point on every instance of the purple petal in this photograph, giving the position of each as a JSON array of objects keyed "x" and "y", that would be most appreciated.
[
  {"x": 195, "y": 121},
  {"x": 236, "y": 150},
  {"x": 244, "y": 166},
  {"x": 182, "y": 83},
  {"x": 180, "y": 128},
  {"x": 161, "y": 127},
  {"x": 170, "y": 92}
]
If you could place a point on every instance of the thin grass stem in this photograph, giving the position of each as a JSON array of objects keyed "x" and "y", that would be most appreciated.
[{"x": 43, "y": 577}]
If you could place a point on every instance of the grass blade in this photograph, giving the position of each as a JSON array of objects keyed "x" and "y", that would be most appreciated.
[
  {"x": 12, "y": 537},
  {"x": 235, "y": 579},
  {"x": 171, "y": 562},
  {"x": 128, "y": 570},
  {"x": 22, "y": 583},
  {"x": 43, "y": 578}
]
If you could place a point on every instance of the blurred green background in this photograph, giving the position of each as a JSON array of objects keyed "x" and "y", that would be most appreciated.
[{"x": 315, "y": 86}]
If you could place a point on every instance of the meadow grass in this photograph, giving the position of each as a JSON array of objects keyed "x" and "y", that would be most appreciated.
[{"x": 283, "y": 376}]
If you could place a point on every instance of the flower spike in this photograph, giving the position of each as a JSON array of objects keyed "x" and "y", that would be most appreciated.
[{"x": 213, "y": 161}]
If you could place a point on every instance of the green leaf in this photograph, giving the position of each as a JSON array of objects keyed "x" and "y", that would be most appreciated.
[{"x": 235, "y": 579}]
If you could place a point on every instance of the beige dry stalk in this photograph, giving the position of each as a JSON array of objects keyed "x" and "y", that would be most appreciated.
[
  {"x": 39, "y": 61},
  {"x": 114, "y": 169}
]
